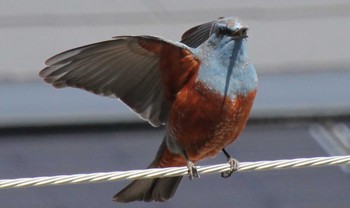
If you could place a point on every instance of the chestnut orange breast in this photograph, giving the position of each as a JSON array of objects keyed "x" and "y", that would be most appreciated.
[{"x": 204, "y": 122}]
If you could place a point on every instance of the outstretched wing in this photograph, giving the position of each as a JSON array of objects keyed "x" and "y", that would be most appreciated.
[
  {"x": 144, "y": 72},
  {"x": 197, "y": 35}
]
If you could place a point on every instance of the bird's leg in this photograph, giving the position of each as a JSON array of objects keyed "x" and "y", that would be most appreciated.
[
  {"x": 234, "y": 165},
  {"x": 192, "y": 170}
]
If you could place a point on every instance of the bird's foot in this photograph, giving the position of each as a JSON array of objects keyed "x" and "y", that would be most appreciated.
[
  {"x": 234, "y": 165},
  {"x": 192, "y": 170}
]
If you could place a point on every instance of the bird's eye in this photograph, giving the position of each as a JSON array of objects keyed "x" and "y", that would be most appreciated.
[
  {"x": 224, "y": 31},
  {"x": 238, "y": 33}
]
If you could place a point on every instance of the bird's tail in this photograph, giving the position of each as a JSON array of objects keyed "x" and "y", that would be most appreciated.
[{"x": 157, "y": 189}]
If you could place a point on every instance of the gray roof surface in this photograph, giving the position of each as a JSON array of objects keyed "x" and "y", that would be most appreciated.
[{"x": 284, "y": 35}]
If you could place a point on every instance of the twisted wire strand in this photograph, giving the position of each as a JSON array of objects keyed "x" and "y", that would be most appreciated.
[{"x": 173, "y": 171}]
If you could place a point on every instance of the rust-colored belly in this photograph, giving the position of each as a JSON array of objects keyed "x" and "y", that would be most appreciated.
[{"x": 203, "y": 122}]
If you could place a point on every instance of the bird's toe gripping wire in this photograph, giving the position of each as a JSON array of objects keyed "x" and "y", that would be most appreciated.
[
  {"x": 192, "y": 170},
  {"x": 234, "y": 165}
]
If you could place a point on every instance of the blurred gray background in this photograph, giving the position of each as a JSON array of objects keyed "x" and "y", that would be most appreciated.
[{"x": 299, "y": 48}]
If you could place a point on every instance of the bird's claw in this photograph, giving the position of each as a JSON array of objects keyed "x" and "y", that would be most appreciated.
[
  {"x": 234, "y": 166},
  {"x": 192, "y": 170}
]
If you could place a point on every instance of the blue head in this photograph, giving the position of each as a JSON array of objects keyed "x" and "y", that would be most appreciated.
[
  {"x": 228, "y": 35},
  {"x": 225, "y": 64},
  {"x": 229, "y": 27}
]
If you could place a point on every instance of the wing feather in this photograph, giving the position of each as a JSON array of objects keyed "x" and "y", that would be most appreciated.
[
  {"x": 197, "y": 35},
  {"x": 127, "y": 67}
]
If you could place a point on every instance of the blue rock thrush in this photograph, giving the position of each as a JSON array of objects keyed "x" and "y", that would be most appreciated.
[{"x": 201, "y": 89}]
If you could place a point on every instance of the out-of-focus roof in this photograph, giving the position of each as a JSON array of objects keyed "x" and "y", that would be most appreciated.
[
  {"x": 284, "y": 35},
  {"x": 294, "y": 37}
]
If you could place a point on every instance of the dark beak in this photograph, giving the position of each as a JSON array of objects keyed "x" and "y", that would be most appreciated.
[{"x": 240, "y": 33}]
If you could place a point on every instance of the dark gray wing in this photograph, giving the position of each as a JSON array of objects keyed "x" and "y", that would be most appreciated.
[
  {"x": 126, "y": 67},
  {"x": 197, "y": 35}
]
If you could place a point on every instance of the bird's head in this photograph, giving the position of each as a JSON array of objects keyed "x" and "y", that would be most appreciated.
[
  {"x": 231, "y": 27},
  {"x": 223, "y": 30}
]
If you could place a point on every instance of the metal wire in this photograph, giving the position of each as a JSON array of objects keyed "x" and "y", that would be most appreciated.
[{"x": 173, "y": 171}]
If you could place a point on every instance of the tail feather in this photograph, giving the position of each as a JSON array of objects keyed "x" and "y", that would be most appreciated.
[{"x": 158, "y": 189}]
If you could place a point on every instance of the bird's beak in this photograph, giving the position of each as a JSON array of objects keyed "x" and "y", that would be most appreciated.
[{"x": 240, "y": 33}]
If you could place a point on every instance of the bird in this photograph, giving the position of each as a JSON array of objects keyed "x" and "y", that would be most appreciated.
[{"x": 201, "y": 89}]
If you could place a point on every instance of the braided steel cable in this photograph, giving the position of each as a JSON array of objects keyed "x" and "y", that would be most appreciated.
[{"x": 173, "y": 171}]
